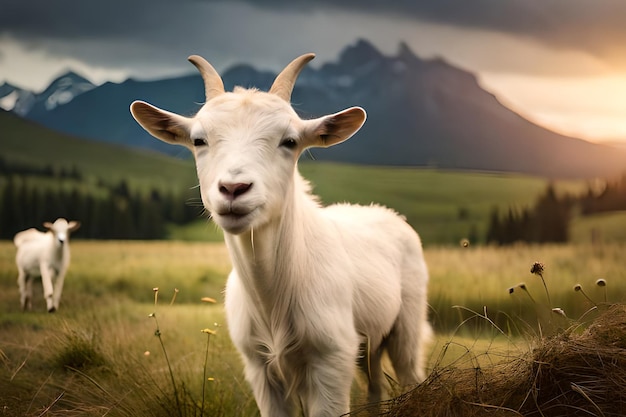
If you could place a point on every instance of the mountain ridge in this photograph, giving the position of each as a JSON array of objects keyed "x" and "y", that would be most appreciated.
[{"x": 421, "y": 112}]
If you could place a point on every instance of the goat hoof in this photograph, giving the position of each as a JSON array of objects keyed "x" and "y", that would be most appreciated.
[{"x": 52, "y": 309}]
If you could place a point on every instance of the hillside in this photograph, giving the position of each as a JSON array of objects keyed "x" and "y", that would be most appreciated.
[
  {"x": 31, "y": 144},
  {"x": 423, "y": 113}
]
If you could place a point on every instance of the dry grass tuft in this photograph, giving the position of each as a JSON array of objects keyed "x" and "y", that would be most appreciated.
[{"x": 566, "y": 375}]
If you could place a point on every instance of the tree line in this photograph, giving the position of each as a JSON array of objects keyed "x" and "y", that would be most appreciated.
[
  {"x": 106, "y": 211},
  {"x": 550, "y": 217}
]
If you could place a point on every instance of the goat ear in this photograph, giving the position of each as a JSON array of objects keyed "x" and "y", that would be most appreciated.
[
  {"x": 73, "y": 225},
  {"x": 164, "y": 125},
  {"x": 47, "y": 225},
  {"x": 336, "y": 128}
]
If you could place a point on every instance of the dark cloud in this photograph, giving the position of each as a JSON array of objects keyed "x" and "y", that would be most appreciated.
[
  {"x": 596, "y": 27},
  {"x": 545, "y": 18},
  {"x": 591, "y": 26},
  {"x": 149, "y": 35}
]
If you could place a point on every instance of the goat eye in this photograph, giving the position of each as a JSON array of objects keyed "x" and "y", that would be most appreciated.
[
  {"x": 199, "y": 142},
  {"x": 289, "y": 143}
]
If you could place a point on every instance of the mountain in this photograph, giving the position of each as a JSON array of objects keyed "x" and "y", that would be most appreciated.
[
  {"x": 32, "y": 105},
  {"x": 420, "y": 113},
  {"x": 16, "y": 99},
  {"x": 60, "y": 92}
]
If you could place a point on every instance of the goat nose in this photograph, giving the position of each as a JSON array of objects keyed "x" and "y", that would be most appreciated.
[{"x": 232, "y": 190}]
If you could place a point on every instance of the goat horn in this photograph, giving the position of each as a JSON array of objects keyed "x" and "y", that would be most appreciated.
[
  {"x": 213, "y": 84},
  {"x": 284, "y": 82}
]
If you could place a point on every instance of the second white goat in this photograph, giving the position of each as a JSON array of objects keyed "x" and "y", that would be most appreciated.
[
  {"x": 45, "y": 255},
  {"x": 309, "y": 285}
]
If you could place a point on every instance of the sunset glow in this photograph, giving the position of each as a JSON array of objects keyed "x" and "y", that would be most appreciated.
[{"x": 592, "y": 108}]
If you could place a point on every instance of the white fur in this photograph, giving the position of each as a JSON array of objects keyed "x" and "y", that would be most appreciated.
[
  {"x": 45, "y": 255},
  {"x": 309, "y": 284}
]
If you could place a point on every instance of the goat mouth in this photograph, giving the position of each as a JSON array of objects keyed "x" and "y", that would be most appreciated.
[
  {"x": 234, "y": 213},
  {"x": 233, "y": 220}
]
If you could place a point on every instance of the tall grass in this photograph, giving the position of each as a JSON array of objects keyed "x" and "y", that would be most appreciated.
[
  {"x": 475, "y": 277},
  {"x": 99, "y": 355}
]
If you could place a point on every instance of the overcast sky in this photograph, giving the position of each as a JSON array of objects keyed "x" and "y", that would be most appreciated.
[{"x": 560, "y": 62}]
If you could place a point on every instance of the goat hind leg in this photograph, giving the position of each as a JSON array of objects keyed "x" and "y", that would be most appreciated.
[
  {"x": 370, "y": 363},
  {"x": 406, "y": 345},
  {"x": 25, "y": 284}
]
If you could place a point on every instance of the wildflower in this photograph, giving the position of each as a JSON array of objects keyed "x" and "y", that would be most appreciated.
[
  {"x": 208, "y": 331},
  {"x": 210, "y": 379},
  {"x": 579, "y": 288},
  {"x": 208, "y": 300},
  {"x": 537, "y": 269},
  {"x": 602, "y": 283},
  {"x": 522, "y": 286},
  {"x": 174, "y": 296}
]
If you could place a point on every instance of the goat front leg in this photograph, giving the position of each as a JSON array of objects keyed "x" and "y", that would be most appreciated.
[
  {"x": 270, "y": 396},
  {"x": 58, "y": 289},
  {"x": 47, "y": 275},
  {"x": 328, "y": 394}
]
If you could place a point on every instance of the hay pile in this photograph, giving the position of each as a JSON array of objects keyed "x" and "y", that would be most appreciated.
[{"x": 567, "y": 375}]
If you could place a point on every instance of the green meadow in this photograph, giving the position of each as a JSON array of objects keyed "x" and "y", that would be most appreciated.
[
  {"x": 443, "y": 206},
  {"x": 120, "y": 347},
  {"x": 99, "y": 355}
]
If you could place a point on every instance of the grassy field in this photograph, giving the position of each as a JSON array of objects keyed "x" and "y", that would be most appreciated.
[
  {"x": 99, "y": 354},
  {"x": 444, "y": 206}
]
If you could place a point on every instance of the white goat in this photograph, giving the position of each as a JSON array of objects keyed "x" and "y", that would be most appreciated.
[
  {"x": 309, "y": 284},
  {"x": 45, "y": 255}
]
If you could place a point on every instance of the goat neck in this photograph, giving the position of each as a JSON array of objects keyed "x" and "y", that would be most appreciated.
[{"x": 264, "y": 257}]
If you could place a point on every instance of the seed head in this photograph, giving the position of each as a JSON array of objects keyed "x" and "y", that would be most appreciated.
[
  {"x": 208, "y": 300},
  {"x": 208, "y": 331},
  {"x": 537, "y": 268},
  {"x": 602, "y": 283},
  {"x": 559, "y": 311},
  {"x": 579, "y": 288},
  {"x": 464, "y": 243}
]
